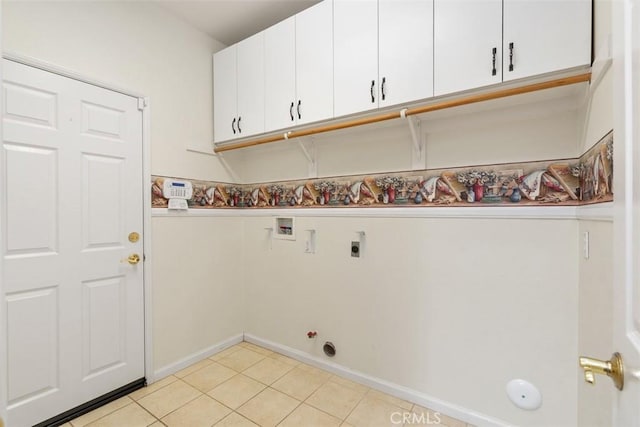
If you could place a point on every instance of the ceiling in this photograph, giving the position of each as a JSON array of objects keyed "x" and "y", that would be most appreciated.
[{"x": 230, "y": 21}]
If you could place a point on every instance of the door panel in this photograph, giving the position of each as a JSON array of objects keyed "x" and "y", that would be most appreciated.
[
  {"x": 405, "y": 50},
  {"x": 103, "y": 213},
  {"x": 465, "y": 32},
  {"x": 251, "y": 85},
  {"x": 355, "y": 37},
  {"x": 546, "y": 35},
  {"x": 33, "y": 348},
  {"x": 314, "y": 62},
  {"x": 34, "y": 106},
  {"x": 280, "y": 73},
  {"x": 102, "y": 121},
  {"x": 225, "y": 108},
  {"x": 104, "y": 321},
  {"x": 31, "y": 202},
  {"x": 73, "y": 192}
]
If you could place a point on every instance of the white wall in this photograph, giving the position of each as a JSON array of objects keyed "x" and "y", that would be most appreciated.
[
  {"x": 471, "y": 136},
  {"x": 453, "y": 308},
  {"x": 595, "y": 316},
  {"x": 139, "y": 46},
  {"x": 197, "y": 293}
]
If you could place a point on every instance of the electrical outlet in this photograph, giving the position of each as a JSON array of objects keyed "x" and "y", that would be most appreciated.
[
  {"x": 310, "y": 243},
  {"x": 585, "y": 244},
  {"x": 355, "y": 249}
]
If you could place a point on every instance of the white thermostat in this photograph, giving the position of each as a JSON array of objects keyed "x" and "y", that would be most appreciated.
[{"x": 178, "y": 192}]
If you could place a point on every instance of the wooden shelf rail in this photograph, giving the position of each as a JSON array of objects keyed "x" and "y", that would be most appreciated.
[{"x": 456, "y": 102}]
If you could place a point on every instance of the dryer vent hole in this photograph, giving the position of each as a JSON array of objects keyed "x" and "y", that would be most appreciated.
[{"x": 329, "y": 349}]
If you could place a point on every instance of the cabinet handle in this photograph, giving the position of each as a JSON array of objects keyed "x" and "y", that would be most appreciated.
[
  {"x": 233, "y": 125},
  {"x": 494, "y": 52},
  {"x": 373, "y": 97},
  {"x": 511, "y": 56},
  {"x": 291, "y": 111},
  {"x": 239, "y": 130},
  {"x": 299, "y": 115},
  {"x": 384, "y": 95}
]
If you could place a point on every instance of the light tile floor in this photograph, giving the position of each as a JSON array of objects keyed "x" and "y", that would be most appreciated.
[{"x": 247, "y": 385}]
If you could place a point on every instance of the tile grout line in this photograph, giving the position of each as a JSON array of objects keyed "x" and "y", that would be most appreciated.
[
  {"x": 305, "y": 399},
  {"x": 186, "y": 403},
  {"x": 323, "y": 375},
  {"x": 105, "y": 415},
  {"x": 286, "y": 416},
  {"x": 356, "y": 405},
  {"x": 147, "y": 411}
]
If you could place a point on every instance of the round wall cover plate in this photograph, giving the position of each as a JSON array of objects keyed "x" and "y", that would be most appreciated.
[{"x": 524, "y": 395}]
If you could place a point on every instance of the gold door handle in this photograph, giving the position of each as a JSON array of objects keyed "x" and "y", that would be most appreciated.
[
  {"x": 613, "y": 368},
  {"x": 133, "y": 259}
]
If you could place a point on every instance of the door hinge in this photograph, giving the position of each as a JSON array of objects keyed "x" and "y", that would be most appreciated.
[{"x": 142, "y": 104}]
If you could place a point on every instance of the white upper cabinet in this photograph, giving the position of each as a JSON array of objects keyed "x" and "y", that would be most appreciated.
[
  {"x": 343, "y": 57},
  {"x": 355, "y": 37},
  {"x": 238, "y": 87},
  {"x": 545, "y": 36},
  {"x": 405, "y": 50},
  {"x": 299, "y": 68},
  {"x": 280, "y": 75},
  {"x": 314, "y": 63},
  {"x": 383, "y": 53},
  {"x": 250, "y": 63},
  {"x": 225, "y": 111},
  {"x": 530, "y": 37},
  {"x": 467, "y": 44}
]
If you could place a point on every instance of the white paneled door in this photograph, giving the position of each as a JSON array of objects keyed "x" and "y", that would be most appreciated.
[
  {"x": 72, "y": 192},
  {"x": 626, "y": 286}
]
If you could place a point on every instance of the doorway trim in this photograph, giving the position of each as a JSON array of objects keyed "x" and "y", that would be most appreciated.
[{"x": 144, "y": 105}]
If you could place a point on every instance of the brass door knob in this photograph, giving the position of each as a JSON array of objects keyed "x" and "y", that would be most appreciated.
[
  {"x": 132, "y": 259},
  {"x": 613, "y": 368}
]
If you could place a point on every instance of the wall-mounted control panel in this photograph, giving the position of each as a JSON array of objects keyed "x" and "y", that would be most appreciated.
[{"x": 178, "y": 192}]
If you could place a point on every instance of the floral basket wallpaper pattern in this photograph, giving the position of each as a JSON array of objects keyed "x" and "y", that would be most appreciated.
[{"x": 587, "y": 179}]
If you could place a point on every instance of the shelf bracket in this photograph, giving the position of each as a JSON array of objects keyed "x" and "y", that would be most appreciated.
[
  {"x": 418, "y": 152},
  {"x": 308, "y": 148},
  {"x": 227, "y": 167}
]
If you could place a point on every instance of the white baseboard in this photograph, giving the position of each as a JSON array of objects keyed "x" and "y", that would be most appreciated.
[
  {"x": 172, "y": 368},
  {"x": 401, "y": 392}
]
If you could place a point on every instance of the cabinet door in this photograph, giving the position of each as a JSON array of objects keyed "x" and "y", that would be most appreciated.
[
  {"x": 251, "y": 85},
  {"x": 314, "y": 62},
  {"x": 405, "y": 50},
  {"x": 280, "y": 75},
  {"x": 546, "y": 36},
  {"x": 355, "y": 31},
  {"x": 225, "y": 97},
  {"x": 465, "y": 34}
]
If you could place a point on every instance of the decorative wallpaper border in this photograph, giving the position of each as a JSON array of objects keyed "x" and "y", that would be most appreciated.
[{"x": 568, "y": 182}]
